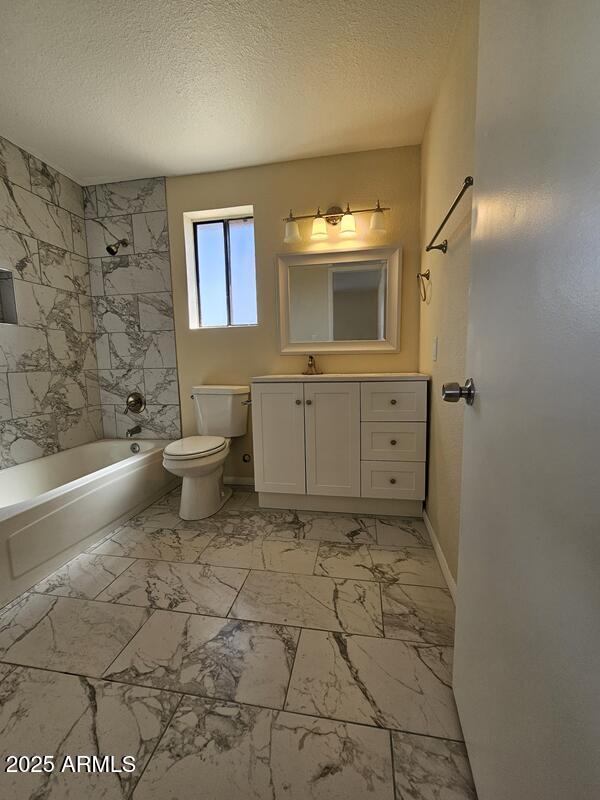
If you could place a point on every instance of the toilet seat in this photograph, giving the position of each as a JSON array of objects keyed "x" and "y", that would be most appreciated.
[{"x": 195, "y": 447}]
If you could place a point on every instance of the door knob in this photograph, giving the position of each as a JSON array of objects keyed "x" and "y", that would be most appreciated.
[
  {"x": 309, "y": 402},
  {"x": 453, "y": 392},
  {"x": 298, "y": 402}
]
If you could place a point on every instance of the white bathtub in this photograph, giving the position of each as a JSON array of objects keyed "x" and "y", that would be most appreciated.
[{"x": 54, "y": 507}]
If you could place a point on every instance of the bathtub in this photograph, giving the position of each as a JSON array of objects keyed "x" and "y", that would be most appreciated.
[{"x": 54, "y": 507}]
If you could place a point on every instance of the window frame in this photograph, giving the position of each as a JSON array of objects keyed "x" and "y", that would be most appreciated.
[
  {"x": 222, "y": 215},
  {"x": 225, "y": 222}
]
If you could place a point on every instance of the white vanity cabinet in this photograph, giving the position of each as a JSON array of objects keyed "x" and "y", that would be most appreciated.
[
  {"x": 278, "y": 431},
  {"x": 341, "y": 442},
  {"x": 307, "y": 438}
]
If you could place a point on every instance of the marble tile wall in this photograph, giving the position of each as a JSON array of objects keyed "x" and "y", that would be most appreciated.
[
  {"x": 49, "y": 394},
  {"x": 132, "y": 306}
]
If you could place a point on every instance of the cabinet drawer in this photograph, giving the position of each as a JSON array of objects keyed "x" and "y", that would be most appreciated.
[
  {"x": 394, "y": 401},
  {"x": 398, "y": 480},
  {"x": 392, "y": 441}
]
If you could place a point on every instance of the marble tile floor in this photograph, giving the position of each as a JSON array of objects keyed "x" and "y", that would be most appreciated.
[{"x": 255, "y": 654}]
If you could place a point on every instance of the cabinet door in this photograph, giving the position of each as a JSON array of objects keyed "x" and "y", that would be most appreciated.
[
  {"x": 332, "y": 425},
  {"x": 278, "y": 436}
]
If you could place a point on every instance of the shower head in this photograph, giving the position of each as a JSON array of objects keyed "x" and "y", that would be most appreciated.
[{"x": 113, "y": 249}]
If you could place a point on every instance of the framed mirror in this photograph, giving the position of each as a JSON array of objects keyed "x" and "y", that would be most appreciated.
[{"x": 346, "y": 301}]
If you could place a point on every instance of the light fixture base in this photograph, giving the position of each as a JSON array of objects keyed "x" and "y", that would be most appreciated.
[{"x": 333, "y": 215}]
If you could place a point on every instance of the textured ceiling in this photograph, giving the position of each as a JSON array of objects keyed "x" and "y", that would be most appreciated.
[{"x": 120, "y": 89}]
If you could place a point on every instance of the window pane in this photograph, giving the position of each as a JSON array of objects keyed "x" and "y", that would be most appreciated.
[
  {"x": 212, "y": 279},
  {"x": 243, "y": 272}
]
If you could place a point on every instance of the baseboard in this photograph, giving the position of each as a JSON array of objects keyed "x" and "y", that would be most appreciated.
[
  {"x": 232, "y": 480},
  {"x": 342, "y": 505},
  {"x": 440, "y": 557}
]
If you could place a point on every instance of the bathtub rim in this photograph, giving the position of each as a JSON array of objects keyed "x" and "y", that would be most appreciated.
[{"x": 7, "y": 512}]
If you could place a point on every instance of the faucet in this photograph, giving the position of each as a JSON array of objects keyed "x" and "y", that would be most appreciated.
[
  {"x": 311, "y": 367},
  {"x": 133, "y": 431}
]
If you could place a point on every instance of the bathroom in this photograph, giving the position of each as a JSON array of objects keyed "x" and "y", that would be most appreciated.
[{"x": 275, "y": 517}]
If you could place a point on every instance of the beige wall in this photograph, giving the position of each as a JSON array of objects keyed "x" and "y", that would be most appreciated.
[
  {"x": 447, "y": 157},
  {"x": 235, "y": 355}
]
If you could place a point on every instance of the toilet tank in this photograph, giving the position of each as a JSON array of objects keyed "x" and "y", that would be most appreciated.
[{"x": 221, "y": 410}]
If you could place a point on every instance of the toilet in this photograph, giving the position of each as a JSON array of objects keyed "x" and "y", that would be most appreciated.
[{"x": 221, "y": 413}]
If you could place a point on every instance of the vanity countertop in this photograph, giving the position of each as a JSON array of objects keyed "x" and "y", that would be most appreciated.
[{"x": 348, "y": 376}]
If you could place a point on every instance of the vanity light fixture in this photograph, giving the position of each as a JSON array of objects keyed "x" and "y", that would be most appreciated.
[
  {"x": 348, "y": 226},
  {"x": 292, "y": 231},
  {"x": 319, "y": 227},
  {"x": 333, "y": 216}
]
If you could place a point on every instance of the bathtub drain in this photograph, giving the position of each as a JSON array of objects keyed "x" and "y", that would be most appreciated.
[{"x": 135, "y": 448}]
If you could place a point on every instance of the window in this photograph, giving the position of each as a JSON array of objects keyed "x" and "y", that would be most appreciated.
[{"x": 225, "y": 272}]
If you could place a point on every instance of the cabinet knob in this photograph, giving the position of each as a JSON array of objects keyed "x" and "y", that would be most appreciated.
[
  {"x": 309, "y": 402},
  {"x": 298, "y": 402},
  {"x": 392, "y": 480},
  {"x": 393, "y": 401},
  {"x": 393, "y": 441}
]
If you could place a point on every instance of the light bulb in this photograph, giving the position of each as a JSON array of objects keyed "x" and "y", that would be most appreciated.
[
  {"x": 319, "y": 227},
  {"x": 348, "y": 224}
]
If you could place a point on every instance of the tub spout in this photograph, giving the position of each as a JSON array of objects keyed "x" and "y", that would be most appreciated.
[{"x": 133, "y": 431}]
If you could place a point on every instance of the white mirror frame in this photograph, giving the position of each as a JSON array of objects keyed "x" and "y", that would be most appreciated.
[{"x": 391, "y": 342}]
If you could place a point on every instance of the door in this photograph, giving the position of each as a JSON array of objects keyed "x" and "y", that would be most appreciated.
[
  {"x": 278, "y": 434},
  {"x": 332, "y": 422},
  {"x": 526, "y": 669}
]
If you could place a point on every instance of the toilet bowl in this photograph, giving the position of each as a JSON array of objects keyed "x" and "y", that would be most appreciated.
[
  {"x": 221, "y": 413},
  {"x": 199, "y": 461}
]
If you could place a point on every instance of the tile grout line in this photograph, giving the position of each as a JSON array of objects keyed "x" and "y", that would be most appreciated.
[
  {"x": 287, "y": 691},
  {"x": 295, "y": 626},
  {"x": 198, "y": 561},
  {"x": 227, "y": 700},
  {"x": 128, "y": 567},
  {"x": 391, "y": 743},
  {"x": 150, "y": 615},
  {"x": 381, "y": 609},
  {"x": 155, "y": 748},
  {"x": 318, "y": 553},
  {"x": 26, "y": 281},
  {"x": 236, "y": 596},
  {"x": 280, "y": 710}
]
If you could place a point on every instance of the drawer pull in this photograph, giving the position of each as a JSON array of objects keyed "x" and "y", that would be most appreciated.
[
  {"x": 393, "y": 441},
  {"x": 393, "y": 401},
  {"x": 298, "y": 402},
  {"x": 392, "y": 480}
]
